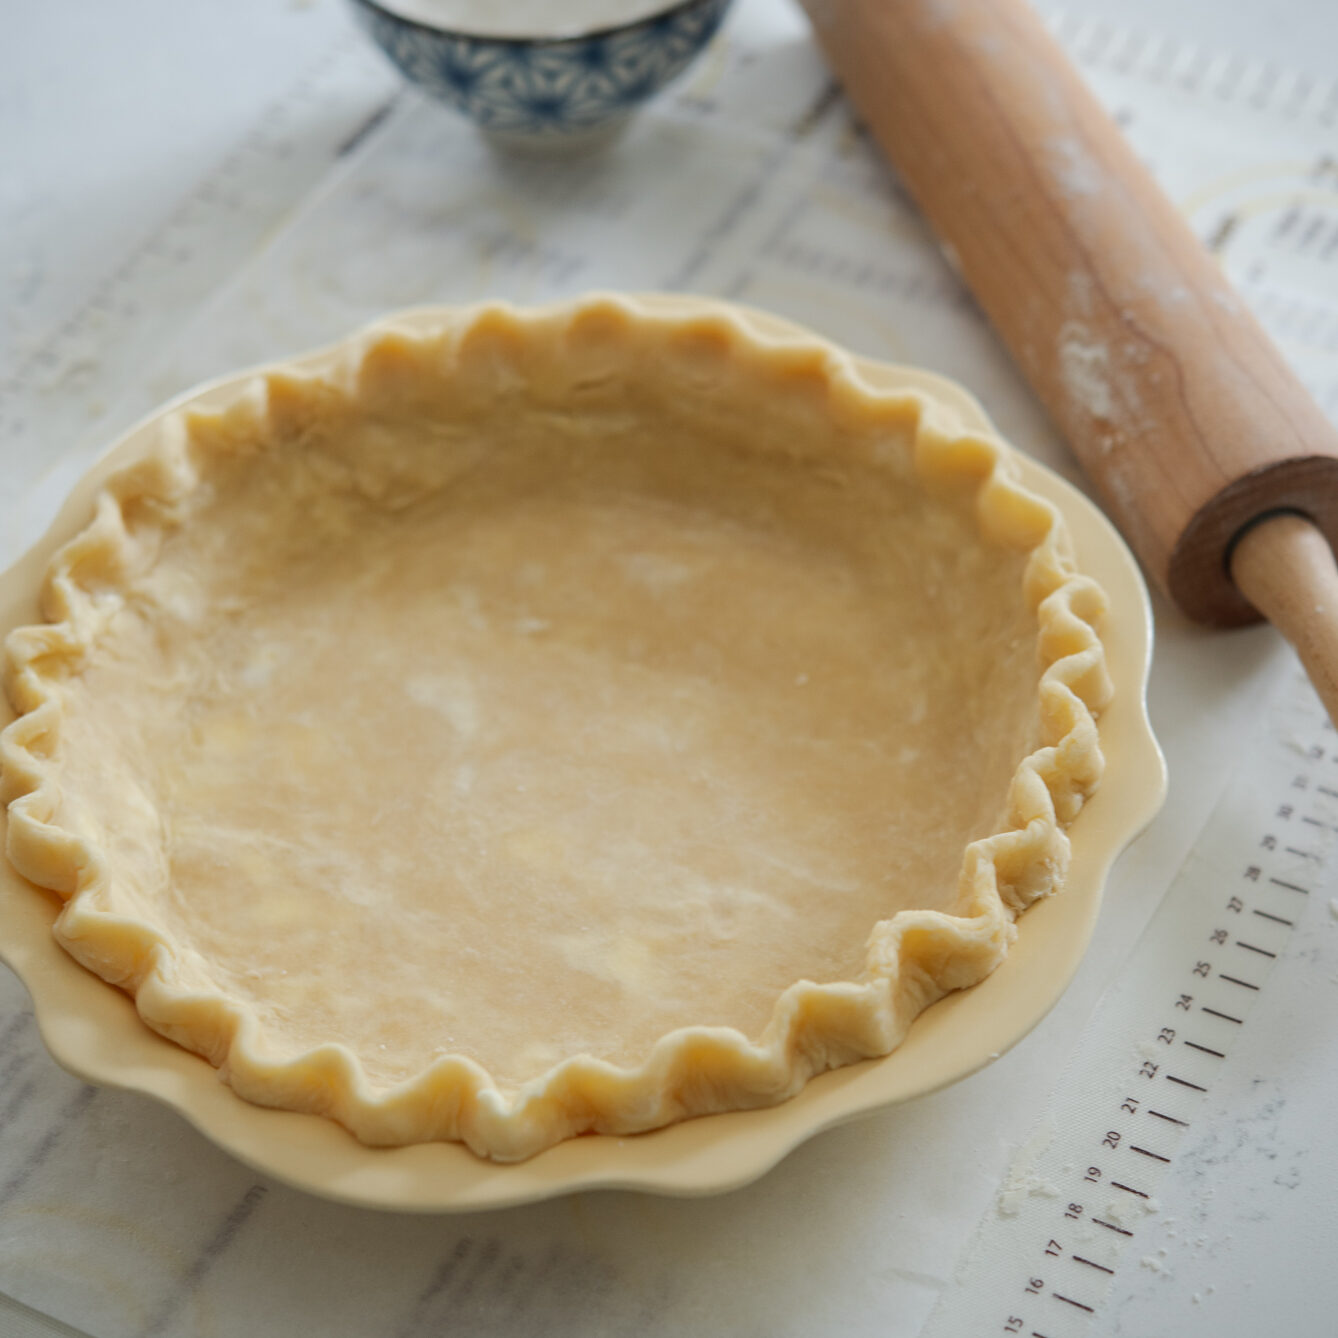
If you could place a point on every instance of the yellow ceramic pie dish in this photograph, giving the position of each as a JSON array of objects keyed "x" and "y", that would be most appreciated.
[{"x": 513, "y": 724}]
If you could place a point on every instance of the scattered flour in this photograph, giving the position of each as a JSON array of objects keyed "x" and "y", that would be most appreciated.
[
  {"x": 1022, "y": 1182},
  {"x": 1084, "y": 370},
  {"x": 1128, "y": 1212},
  {"x": 1075, "y": 171}
]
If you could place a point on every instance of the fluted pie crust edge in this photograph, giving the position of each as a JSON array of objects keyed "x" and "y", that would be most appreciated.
[{"x": 912, "y": 959}]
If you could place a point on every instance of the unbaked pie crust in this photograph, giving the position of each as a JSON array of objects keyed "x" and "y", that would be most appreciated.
[{"x": 557, "y": 720}]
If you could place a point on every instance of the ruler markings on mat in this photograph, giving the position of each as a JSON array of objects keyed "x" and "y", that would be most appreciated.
[{"x": 1044, "y": 1259}]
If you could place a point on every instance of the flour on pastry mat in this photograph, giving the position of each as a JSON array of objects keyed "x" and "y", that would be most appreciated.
[{"x": 559, "y": 720}]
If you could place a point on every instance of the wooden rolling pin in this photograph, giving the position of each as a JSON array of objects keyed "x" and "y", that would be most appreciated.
[{"x": 1209, "y": 453}]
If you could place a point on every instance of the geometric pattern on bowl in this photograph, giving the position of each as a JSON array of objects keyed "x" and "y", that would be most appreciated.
[{"x": 541, "y": 87}]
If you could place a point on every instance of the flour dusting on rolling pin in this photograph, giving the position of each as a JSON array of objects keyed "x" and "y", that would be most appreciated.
[{"x": 1210, "y": 454}]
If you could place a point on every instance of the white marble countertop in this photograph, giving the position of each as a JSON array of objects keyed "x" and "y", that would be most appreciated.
[{"x": 117, "y": 1220}]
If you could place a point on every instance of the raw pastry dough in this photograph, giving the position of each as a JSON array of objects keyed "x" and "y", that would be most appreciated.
[{"x": 567, "y": 720}]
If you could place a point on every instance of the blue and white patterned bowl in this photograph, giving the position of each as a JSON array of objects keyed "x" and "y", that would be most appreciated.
[{"x": 538, "y": 91}]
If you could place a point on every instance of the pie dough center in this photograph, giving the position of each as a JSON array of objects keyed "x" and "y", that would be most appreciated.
[{"x": 553, "y": 759}]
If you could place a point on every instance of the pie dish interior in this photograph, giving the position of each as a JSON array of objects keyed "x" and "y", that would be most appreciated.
[{"x": 552, "y": 721}]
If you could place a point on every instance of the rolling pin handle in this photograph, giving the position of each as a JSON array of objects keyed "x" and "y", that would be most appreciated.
[{"x": 1283, "y": 565}]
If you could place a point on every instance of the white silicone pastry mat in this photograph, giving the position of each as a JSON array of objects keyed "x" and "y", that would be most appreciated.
[{"x": 117, "y": 1218}]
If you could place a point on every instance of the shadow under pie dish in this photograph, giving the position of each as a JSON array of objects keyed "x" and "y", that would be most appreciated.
[{"x": 532, "y": 722}]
